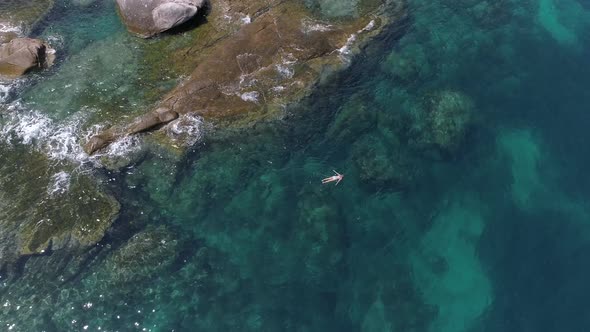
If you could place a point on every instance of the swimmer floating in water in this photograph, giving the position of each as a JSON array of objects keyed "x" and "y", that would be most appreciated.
[{"x": 338, "y": 177}]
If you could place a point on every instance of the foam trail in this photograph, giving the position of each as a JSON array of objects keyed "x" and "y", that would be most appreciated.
[
  {"x": 188, "y": 129},
  {"x": 60, "y": 184},
  {"x": 58, "y": 140},
  {"x": 7, "y": 28},
  {"x": 250, "y": 96},
  {"x": 346, "y": 50},
  {"x": 7, "y": 89},
  {"x": 121, "y": 147},
  {"x": 4, "y": 92}
]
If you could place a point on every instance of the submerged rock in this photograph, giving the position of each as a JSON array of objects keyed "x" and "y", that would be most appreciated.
[
  {"x": 47, "y": 207},
  {"x": 384, "y": 164},
  {"x": 149, "y": 17},
  {"x": 21, "y": 55},
  {"x": 442, "y": 121},
  {"x": 145, "y": 255}
]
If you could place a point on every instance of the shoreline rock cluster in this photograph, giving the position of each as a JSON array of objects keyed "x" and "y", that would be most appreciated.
[
  {"x": 263, "y": 56},
  {"x": 260, "y": 56}
]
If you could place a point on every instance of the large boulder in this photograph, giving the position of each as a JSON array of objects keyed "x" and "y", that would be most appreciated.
[
  {"x": 149, "y": 17},
  {"x": 154, "y": 119},
  {"x": 20, "y": 55}
]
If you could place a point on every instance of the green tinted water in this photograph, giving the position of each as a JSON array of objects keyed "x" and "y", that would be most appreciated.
[{"x": 434, "y": 228}]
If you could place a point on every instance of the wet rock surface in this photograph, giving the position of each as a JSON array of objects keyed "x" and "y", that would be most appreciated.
[{"x": 257, "y": 57}]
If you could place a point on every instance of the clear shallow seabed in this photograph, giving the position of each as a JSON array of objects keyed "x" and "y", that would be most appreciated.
[{"x": 239, "y": 235}]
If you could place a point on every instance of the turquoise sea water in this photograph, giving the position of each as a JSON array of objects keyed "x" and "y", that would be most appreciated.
[{"x": 487, "y": 234}]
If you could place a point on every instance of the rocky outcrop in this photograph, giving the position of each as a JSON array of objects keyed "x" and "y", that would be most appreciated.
[
  {"x": 21, "y": 55},
  {"x": 149, "y": 17},
  {"x": 261, "y": 56},
  {"x": 159, "y": 117}
]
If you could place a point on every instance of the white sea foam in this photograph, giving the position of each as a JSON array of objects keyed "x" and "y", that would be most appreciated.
[
  {"x": 122, "y": 147},
  {"x": 369, "y": 26},
  {"x": 309, "y": 25},
  {"x": 60, "y": 183},
  {"x": 188, "y": 129},
  {"x": 285, "y": 68},
  {"x": 346, "y": 50},
  {"x": 285, "y": 71},
  {"x": 250, "y": 96},
  {"x": 246, "y": 19},
  {"x": 7, "y": 28},
  {"x": 5, "y": 89},
  {"x": 58, "y": 140},
  {"x": 56, "y": 41}
]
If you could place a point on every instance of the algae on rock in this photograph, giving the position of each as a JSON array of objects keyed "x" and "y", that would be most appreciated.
[{"x": 44, "y": 207}]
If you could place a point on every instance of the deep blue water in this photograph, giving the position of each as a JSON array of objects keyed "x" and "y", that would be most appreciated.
[{"x": 488, "y": 232}]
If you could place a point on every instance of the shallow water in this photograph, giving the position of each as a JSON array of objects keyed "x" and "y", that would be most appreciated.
[{"x": 239, "y": 234}]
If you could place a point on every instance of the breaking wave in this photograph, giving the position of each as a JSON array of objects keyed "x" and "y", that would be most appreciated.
[
  {"x": 188, "y": 129},
  {"x": 59, "y": 140},
  {"x": 60, "y": 183}
]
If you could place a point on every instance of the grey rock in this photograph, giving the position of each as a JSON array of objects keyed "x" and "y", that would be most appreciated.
[
  {"x": 150, "y": 121},
  {"x": 20, "y": 55},
  {"x": 150, "y": 17},
  {"x": 171, "y": 14}
]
